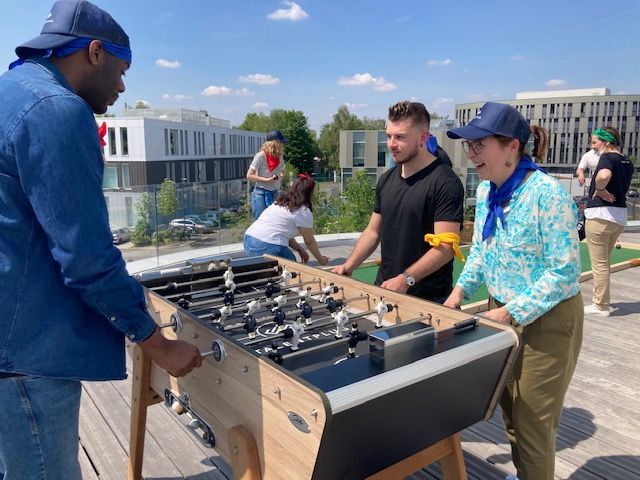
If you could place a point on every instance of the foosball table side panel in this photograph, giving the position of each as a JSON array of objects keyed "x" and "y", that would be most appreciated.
[
  {"x": 250, "y": 391},
  {"x": 370, "y": 437}
]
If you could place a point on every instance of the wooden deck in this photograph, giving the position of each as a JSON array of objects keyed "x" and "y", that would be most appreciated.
[{"x": 599, "y": 435}]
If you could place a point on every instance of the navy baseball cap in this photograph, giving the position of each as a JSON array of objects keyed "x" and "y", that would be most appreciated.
[
  {"x": 494, "y": 119},
  {"x": 276, "y": 135},
  {"x": 72, "y": 19}
]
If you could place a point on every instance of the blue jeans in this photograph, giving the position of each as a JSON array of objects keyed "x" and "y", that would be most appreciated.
[
  {"x": 39, "y": 428},
  {"x": 261, "y": 199},
  {"x": 254, "y": 247}
]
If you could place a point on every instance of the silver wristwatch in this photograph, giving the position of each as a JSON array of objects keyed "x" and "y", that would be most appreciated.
[{"x": 411, "y": 281}]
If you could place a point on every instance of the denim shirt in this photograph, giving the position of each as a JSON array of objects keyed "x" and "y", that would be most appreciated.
[{"x": 66, "y": 299}]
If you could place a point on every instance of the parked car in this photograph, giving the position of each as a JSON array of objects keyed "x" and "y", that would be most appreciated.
[
  {"x": 189, "y": 226},
  {"x": 633, "y": 192},
  {"x": 203, "y": 221},
  {"x": 120, "y": 235}
]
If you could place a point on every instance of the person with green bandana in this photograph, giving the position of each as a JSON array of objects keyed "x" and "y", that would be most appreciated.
[{"x": 606, "y": 213}]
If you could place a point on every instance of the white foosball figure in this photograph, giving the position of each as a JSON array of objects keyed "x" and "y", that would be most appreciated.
[
  {"x": 298, "y": 330},
  {"x": 381, "y": 309},
  {"x": 228, "y": 274},
  {"x": 280, "y": 300},
  {"x": 253, "y": 306},
  {"x": 341, "y": 319},
  {"x": 286, "y": 276},
  {"x": 302, "y": 298},
  {"x": 230, "y": 285},
  {"x": 326, "y": 291}
]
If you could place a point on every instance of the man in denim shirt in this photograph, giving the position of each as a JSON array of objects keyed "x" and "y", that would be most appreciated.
[{"x": 66, "y": 300}]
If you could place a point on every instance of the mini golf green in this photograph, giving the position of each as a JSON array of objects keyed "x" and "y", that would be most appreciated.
[{"x": 368, "y": 274}]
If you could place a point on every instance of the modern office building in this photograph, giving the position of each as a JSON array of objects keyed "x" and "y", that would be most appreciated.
[{"x": 202, "y": 154}]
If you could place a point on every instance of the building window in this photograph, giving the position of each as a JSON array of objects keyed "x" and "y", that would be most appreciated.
[
  {"x": 201, "y": 171},
  {"x": 358, "y": 149},
  {"x": 110, "y": 179},
  {"x": 126, "y": 177},
  {"x": 166, "y": 142},
  {"x": 128, "y": 206},
  {"x": 124, "y": 141},
  {"x": 472, "y": 182},
  {"x": 383, "y": 149},
  {"x": 112, "y": 141},
  {"x": 223, "y": 144},
  {"x": 214, "y": 145},
  {"x": 173, "y": 142}
]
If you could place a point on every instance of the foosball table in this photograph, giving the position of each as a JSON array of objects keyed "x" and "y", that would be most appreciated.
[{"x": 312, "y": 375}]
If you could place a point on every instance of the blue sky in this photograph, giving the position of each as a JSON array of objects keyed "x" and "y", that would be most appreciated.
[{"x": 237, "y": 56}]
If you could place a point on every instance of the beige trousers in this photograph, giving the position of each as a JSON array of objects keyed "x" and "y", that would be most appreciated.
[
  {"x": 534, "y": 392},
  {"x": 601, "y": 238}
]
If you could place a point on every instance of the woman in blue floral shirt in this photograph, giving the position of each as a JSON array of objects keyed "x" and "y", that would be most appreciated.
[{"x": 525, "y": 249}]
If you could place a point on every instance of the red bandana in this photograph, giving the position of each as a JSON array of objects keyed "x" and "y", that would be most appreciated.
[
  {"x": 272, "y": 162},
  {"x": 102, "y": 131}
]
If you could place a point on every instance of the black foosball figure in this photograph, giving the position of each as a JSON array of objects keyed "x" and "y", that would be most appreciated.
[
  {"x": 302, "y": 298},
  {"x": 355, "y": 336},
  {"x": 250, "y": 325},
  {"x": 273, "y": 353},
  {"x": 333, "y": 304},
  {"x": 306, "y": 309},
  {"x": 279, "y": 317},
  {"x": 228, "y": 297},
  {"x": 183, "y": 303},
  {"x": 271, "y": 289},
  {"x": 341, "y": 319}
]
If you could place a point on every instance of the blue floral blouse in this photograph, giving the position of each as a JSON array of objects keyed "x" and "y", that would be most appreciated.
[{"x": 533, "y": 262}]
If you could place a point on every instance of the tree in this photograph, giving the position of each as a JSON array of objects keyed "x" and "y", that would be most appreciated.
[
  {"x": 168, "y": 198},
  {"x": 355, "y": 211},
  {"x": 142, "y": 104},
  {"x": 256, "y": 122},
  {"x": 329, "y": 141},
  {"x": 141, "y": 235}
]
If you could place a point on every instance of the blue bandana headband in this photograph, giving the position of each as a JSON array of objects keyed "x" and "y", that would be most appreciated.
[
  {"x": 123, "y": 53},
  {"x": 500, "y": 195}
]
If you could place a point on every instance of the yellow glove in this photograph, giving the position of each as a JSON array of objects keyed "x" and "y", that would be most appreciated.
[{"x": 435, "y": 240}]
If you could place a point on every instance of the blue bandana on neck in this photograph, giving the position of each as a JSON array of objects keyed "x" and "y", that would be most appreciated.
[{"x": 500, "y": 195}]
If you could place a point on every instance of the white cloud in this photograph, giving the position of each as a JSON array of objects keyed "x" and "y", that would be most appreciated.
[
  {"x": 355, "y": 106},
  {"x": 161, "y": 62},
  {"x": 556, "y": 82},
  {"x": 367, "y": 80},
  {"x": 441, "y": 101},
  {"x": 260, "y": 105},
  {"x": 517, "y": 58},
  {"x": 440, "y": 63},
  {"x": 260, "y": 79},
  {"x": 177, "y": 97},
  {"x": 213, "y": 90},
  {"x": 294, "y": 13},
  {"x": 404, "y": 19}
]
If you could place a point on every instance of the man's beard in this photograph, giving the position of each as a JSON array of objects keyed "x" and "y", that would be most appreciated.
[{"x": 407, "y": 157}]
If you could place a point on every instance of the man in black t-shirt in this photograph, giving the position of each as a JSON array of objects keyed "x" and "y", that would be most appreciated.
[{"x": 421, "y": 194}]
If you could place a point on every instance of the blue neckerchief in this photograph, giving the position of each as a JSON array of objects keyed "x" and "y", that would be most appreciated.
[
  {"x": 432, "y": 144},
  {"x": 502, "y": 194}
]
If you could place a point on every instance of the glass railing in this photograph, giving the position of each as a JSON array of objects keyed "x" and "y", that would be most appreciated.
[{"x": 210, "y": 218}]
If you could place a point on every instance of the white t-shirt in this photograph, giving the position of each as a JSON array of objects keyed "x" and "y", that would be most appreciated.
[
  {"x": 589, "y": 161},
  {"x": 259, "y": 164},
  {"x": 277, "y": 224}
]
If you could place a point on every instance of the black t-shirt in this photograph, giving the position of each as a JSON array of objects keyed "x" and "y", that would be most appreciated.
[
  {"x": 409, "y": 207},
  {"x": 621, "y": 173}
]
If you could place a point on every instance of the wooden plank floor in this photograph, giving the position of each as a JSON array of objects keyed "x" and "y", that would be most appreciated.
[{"x": 598, "y": 438}]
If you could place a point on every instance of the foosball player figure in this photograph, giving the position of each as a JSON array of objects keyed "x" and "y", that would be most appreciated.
[
  {"x": 183, "y": 303},
  {"x": 381, "y": 309},
  {"x": 286, "y": 276},
  {"x": 281, "y": 300},
  {"x": 220, "y": 315},
  {"x": 306, "y": 310},
  {"x": 228, "y": 297},
  {"x": 327, "y": 291},
  {"x": 230, "y": 285},
  {"x": 355, "y": 336},
  {"x": 228, "y": 274},
  {"x": 298, "y": 330},
  {"x": 253, "y": 306},
  {"x": 341, "y": 319},
  {"x": 302, "y": 298},
  {"x": 273, "y": 353},
  {"x": 250, "y": 325},
  {"x": 271, "y": 289},
  {"x": 279, "y": 317},
  {"x": 333, "y": 304}
]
